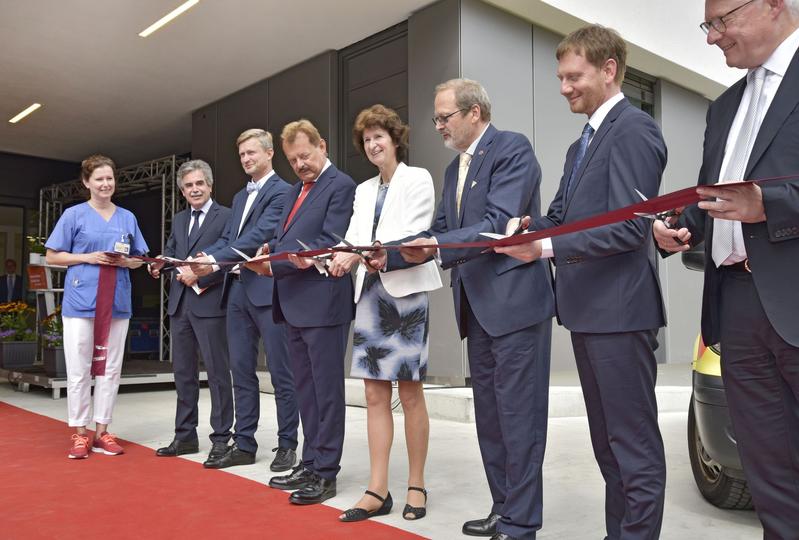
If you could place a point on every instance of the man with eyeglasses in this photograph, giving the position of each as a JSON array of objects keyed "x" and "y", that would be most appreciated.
[
  {"x": 751, "y": 234},
  {"x": 503, "y": 307}
]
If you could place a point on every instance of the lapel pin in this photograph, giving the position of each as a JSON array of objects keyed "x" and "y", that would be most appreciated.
[
  {"x": 481, "y": 152},
  {"x": 474, "y": 183}
]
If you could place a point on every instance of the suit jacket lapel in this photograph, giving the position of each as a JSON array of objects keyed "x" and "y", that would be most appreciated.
[
  {"x": 784, "y": 102},
  {"x": 209, "y": 218},
  {"x": 322, "y": 183},
  {"x": 268, "y": 186},
  {"x": 604, "y": 128},
  {"x": 474, "y": 167},
  {"x": 715, "y": 146},
  {"x": 182, "y": 230}
]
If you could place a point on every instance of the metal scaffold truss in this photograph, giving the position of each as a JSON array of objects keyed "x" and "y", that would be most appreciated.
[{"x": 155, "y": 175}]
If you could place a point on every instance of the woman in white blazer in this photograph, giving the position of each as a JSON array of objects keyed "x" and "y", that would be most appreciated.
[{"x": 391, "y": 318}]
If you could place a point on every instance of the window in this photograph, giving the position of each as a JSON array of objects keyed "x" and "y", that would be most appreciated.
[{"x": 639, "y": 89}]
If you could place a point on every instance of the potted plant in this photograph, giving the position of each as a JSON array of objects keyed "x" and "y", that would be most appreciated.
[
  {"x": 36, "y": 249},
  {"x": 17, "y": 335},
  {"x": 53, "y": 337}
]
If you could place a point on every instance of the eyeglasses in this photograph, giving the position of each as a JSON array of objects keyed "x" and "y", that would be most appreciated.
[
  {"x": 444, "y": 118},
  {"x": 718, "y": 23}
]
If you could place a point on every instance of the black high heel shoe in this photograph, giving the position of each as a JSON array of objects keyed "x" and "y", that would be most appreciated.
[
  {"x": 360, "y": 514},
  {"x": 418, "y": 512}
]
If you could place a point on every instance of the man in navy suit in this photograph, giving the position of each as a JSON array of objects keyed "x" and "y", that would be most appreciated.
[
  {"x": 607, "y": 291},
  {"x": 10, "y": 283},
  {"x": 254, "y": 217},
  {"x": 751, "y": 236},
  {"x": 196, "y": 317},
  {"x": 316, "y": 307},
  {"x": 502, "y": 306}
]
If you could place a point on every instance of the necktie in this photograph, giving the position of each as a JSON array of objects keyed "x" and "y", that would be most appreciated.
[
  {"x": 306, "y": 187},
  {"x": 10, "y": 287},
  {"x": 723, "y": 229},
  {"x": 251, "y": 186},
  {"x": 585, "y": 137},
  {"x": 463, "y": 170},
  {"x": 195, "y": 227}
]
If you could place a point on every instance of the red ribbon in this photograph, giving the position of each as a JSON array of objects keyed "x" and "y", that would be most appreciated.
[
  {"x": 656, "y": 205},
  {"x": 103, "y": 312}
]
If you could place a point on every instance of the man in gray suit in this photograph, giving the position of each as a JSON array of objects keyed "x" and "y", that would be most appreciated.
[
  {"x": 197, "y": 319},
  {"x": 606, "y": 287},
  {"x": 751, "y": 236}
]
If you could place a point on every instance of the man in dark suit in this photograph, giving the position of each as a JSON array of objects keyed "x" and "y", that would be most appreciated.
[
  {"x": 607, "y": 291},
  {"x": 751, "y": 236},
  {"x": 502, "y": 306},
  {"x": 254, "y": 216},
  {"x": 196, "y": 318},
  {"x": 10, "y": 283},
  {"x": 316, "y": 307}
]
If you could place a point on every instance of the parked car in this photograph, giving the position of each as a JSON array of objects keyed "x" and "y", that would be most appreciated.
[{"x": 712, "y": 447}]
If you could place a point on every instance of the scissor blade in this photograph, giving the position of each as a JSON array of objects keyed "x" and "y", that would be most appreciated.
[
  {"x": 305, "y": 246},
  {"x": 242, "y": 255},
  {"x": 645, "y": 215},
  {"x": 342, "y": 240},
  {"x": 643, "y": 197}
]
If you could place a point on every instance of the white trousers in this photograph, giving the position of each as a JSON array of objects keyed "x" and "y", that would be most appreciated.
[{"x": 78, "y": 349}]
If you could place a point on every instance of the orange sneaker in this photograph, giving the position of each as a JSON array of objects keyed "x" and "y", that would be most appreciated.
[
  {"x": 80, "y": 446},
  {"x": 107, "y": 445}
]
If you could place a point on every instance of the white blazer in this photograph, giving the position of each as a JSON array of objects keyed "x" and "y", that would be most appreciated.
[{"x": 407, "y": 210}]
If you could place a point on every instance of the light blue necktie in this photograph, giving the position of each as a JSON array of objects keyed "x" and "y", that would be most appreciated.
[
  {"x": 578, "y": 158},
  {"x": 251, "y": 186}
]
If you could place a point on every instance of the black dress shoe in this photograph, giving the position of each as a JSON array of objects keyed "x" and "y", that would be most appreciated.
[
  {"x": 218, "y": 449},
  {"x": 284, "y": 459},
  {"x": 482, "y": 527},
  {"x": 234, "y": 456},
  {"x": 178, "y": 448},
  {"x": 319, "y": 491},
  {"x": 503, "y": 536},
  {"x": 298, "y": 479}
]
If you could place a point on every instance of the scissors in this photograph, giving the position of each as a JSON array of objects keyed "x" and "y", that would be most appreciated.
[
  {"x": 359, "y": 252},
  {"x": 660, "y": 216},
  {"x": 321, "y": 262}
]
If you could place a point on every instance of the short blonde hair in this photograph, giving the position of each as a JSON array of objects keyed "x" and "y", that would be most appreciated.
[
  {"x": 597, "y": 44},
  {"x": 261, "y": 135},
  {"x": 292, "y": 129}
]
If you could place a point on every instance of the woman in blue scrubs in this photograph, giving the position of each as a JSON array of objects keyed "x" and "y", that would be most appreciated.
[{"x": 86, "y": 236}]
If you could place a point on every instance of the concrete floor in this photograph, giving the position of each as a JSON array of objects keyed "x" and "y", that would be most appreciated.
[{"x": 573, "y": 487}]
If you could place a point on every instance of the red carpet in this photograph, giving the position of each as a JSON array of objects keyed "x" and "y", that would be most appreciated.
[{"x": 44, "y": 495}]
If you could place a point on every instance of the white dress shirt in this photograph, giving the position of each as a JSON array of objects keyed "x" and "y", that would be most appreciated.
[
  {"x": 203, "y": 212},
  {"x": 776, "y": 66}
]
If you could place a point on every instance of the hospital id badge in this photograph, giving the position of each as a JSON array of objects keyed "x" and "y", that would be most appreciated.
[{"x": 122, "y": 247}]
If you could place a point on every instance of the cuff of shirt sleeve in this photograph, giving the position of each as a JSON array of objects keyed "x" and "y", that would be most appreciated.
[{"x": 546, "y": 248}]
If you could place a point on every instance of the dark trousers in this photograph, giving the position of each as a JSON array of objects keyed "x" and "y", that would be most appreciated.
[
  {"x": 190, "y": 333},
  {"x": 510, "y": 382},
  {"x": 618, "y": 374},
  {"x": 761, "y": 378},
  {"x": 317, "y": 358},
  {"x": 246, "y": 323}
]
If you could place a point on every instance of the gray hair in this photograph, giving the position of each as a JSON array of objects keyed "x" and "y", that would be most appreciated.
[
  {"x": 195, "y": 165},
  {"x": 261, "y": 135},
  {"x": 467, "y": 94}
]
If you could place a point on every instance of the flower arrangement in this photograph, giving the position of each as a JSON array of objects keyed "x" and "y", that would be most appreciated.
[
  {"x": 53, "y": 329},
  {"x": 17, "y": 322},
  {"x": 36, "y": 244}
]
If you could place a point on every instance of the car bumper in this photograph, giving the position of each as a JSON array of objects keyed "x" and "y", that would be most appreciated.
[{"x": 714, "y": 424}]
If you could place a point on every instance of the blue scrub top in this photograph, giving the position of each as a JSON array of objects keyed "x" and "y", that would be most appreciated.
[{"x": 82, "y": 230}]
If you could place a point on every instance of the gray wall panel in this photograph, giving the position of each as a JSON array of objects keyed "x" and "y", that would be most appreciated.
[
  {"x": 433, "y": 57},
  {"x": 682, "y": 117},
  {"x": 203, "y": 134},
  {"x": 496, "y": 50}
]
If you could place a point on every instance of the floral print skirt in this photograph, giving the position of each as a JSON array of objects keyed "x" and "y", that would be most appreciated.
[{"x": 390, "y": 339}]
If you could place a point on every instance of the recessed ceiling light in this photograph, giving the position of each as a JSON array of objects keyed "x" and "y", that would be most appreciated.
[
  {"x": 168, "y": 17},
  {"x": 25, "y": 113}
]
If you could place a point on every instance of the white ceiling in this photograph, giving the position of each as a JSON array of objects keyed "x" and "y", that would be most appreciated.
[{"x": 105, "y": 89}]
